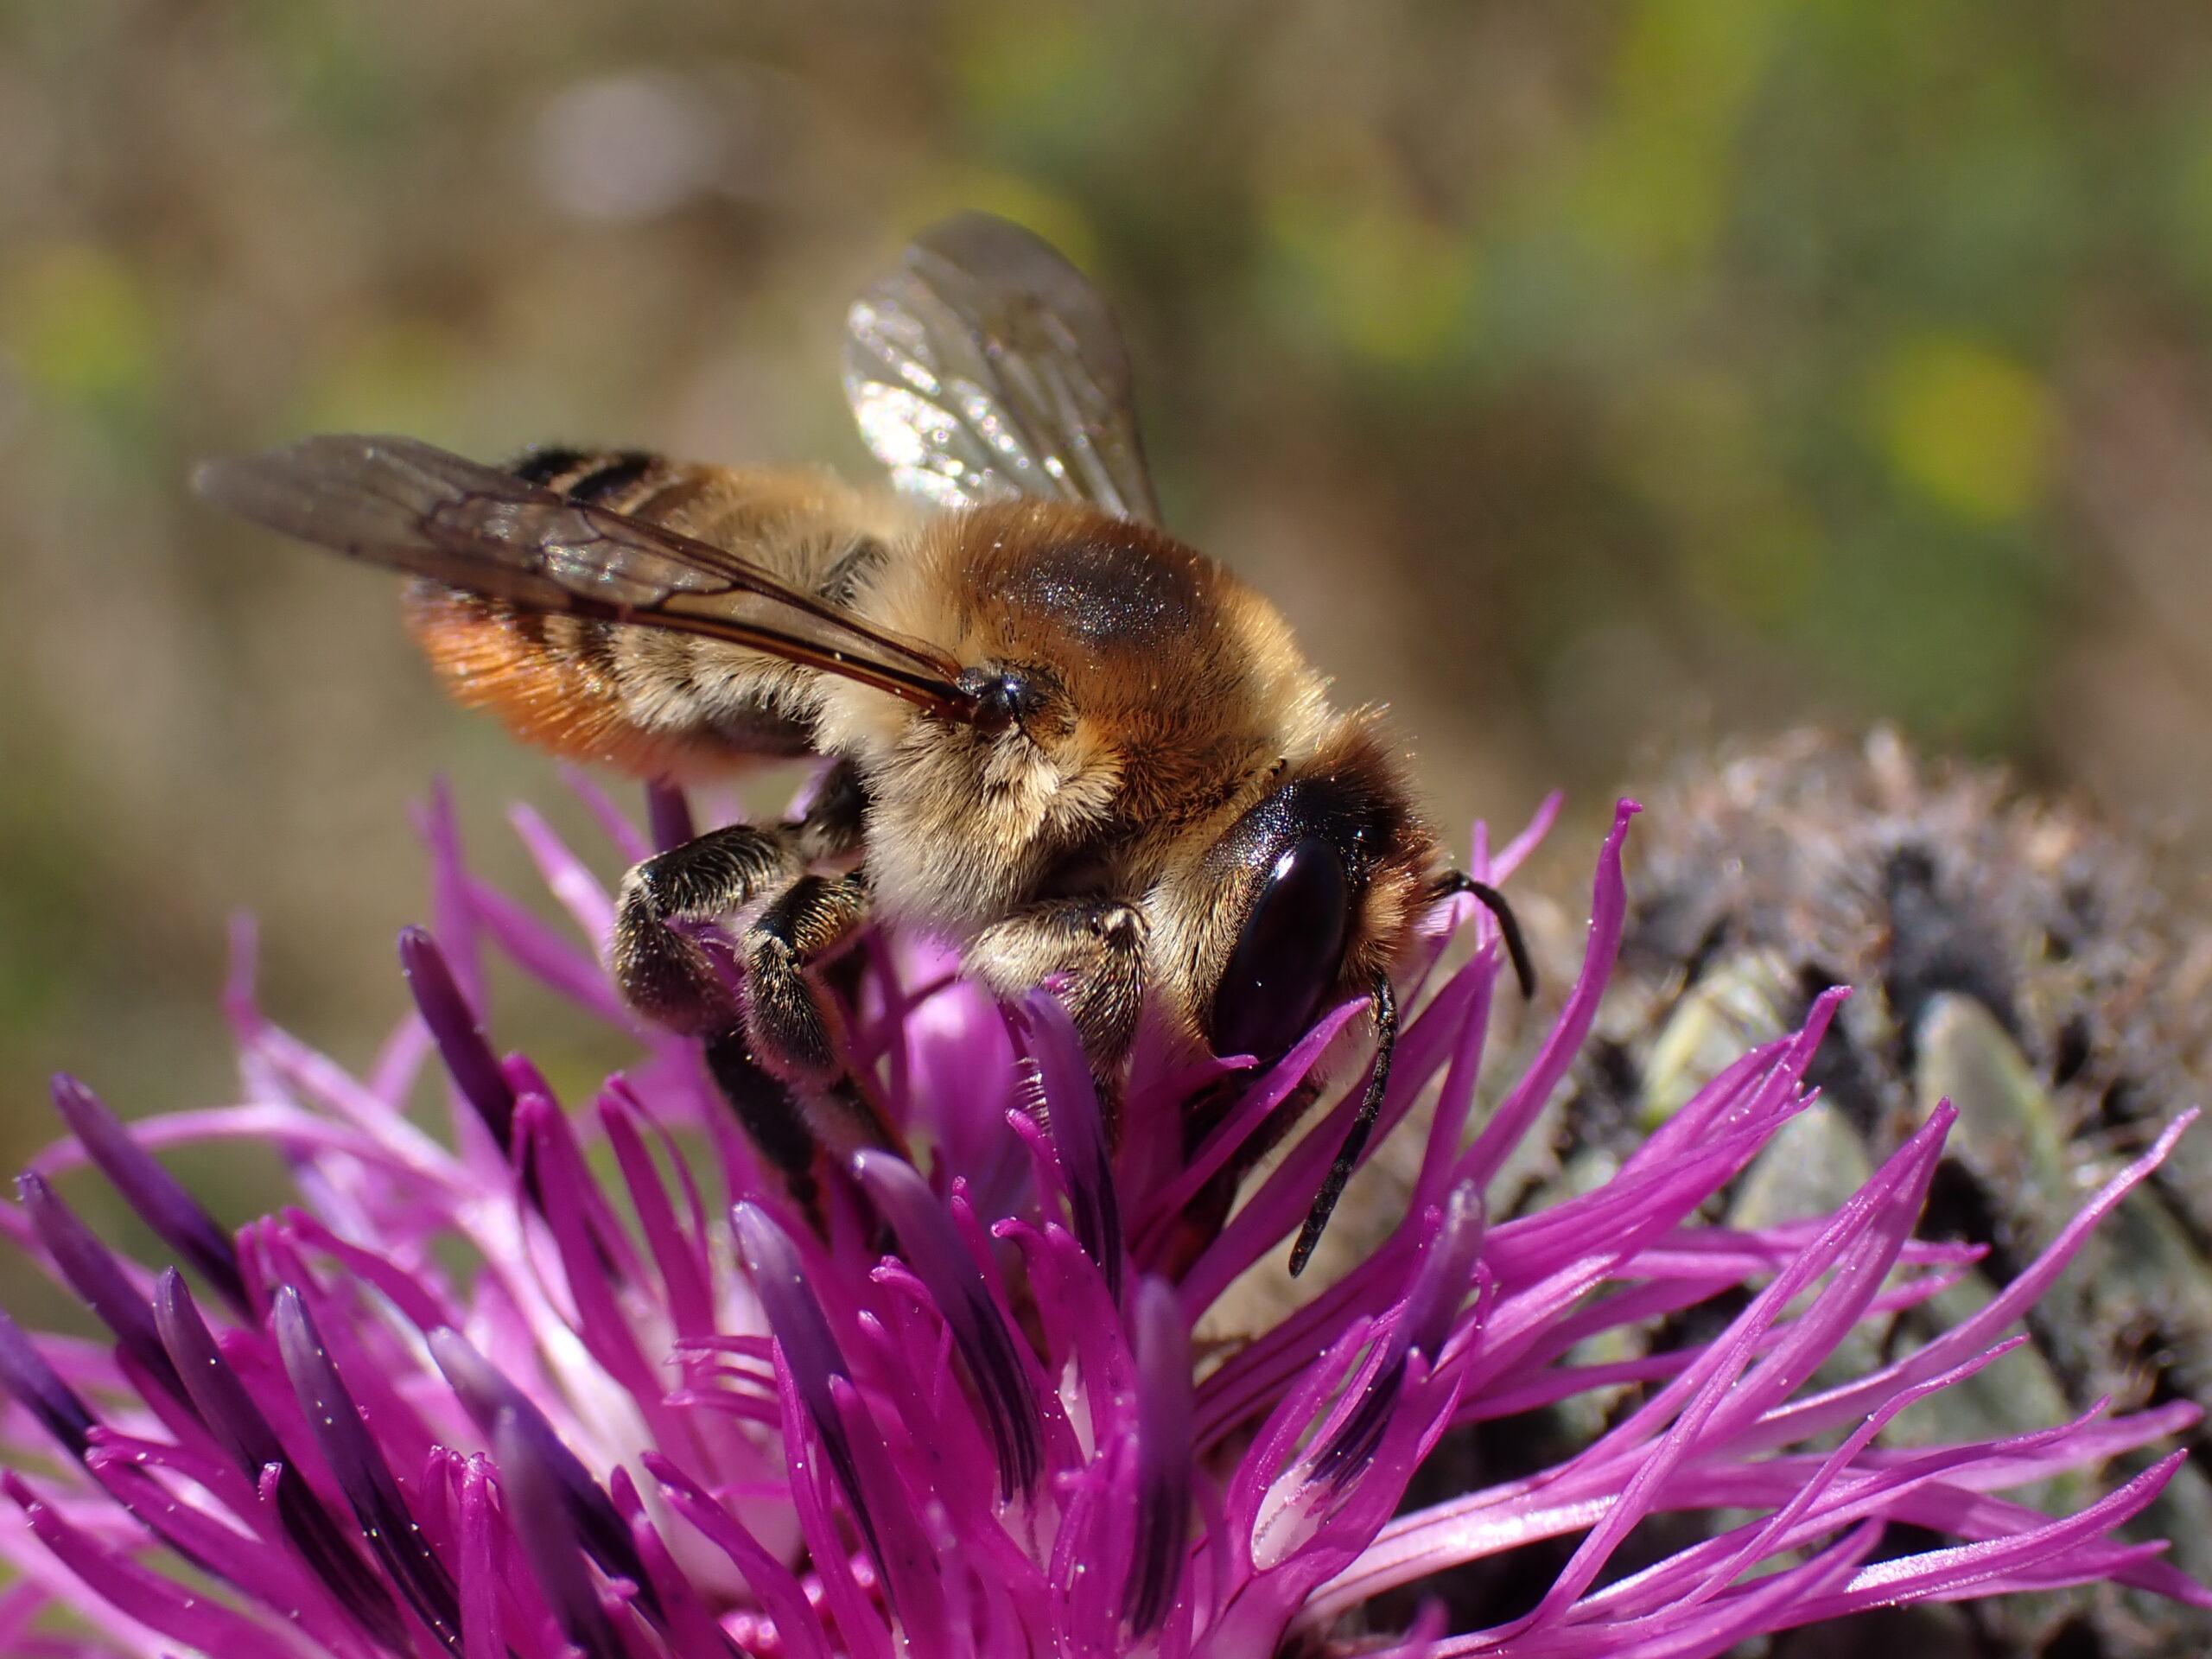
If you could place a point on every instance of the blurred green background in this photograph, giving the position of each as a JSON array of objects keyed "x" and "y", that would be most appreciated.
[{"x": 1585, "y": 379}]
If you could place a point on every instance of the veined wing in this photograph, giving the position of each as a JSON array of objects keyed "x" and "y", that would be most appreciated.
[
  {"x": 417, "y": 508},
  {"x": 987, "y": 366}
]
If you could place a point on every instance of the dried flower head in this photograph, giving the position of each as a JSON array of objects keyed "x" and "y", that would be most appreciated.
[
  {"x": 2015, "y": 956},
  {"x": 583, "y": 1380}
]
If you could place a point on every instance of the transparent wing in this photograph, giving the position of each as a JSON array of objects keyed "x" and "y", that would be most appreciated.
[
  {"x": 987, "y": 366},
  {"x": 415, "y": 507}
]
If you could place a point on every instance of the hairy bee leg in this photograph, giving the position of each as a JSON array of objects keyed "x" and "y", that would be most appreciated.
[
  {"x": 770, "y": 1118},
  {"x": 791, "y": 1025},
  {"x": 665, "y": 973},
  {"x": 794, "y": 1032},
  {"x": 836, "y": 819},
  {"x": 1098, "y": 945}
]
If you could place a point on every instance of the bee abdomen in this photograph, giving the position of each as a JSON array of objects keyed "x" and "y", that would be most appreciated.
[
  {"x": 649, "y": 702},
  {"x": 618, "y": 478}
]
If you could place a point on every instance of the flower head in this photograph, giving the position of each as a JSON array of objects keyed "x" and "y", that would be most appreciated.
[{"x": 586, "y": 1379}]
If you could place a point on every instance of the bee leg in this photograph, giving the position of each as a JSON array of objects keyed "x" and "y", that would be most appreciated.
[
  {"x": 836, "y": 819},
  {"x": 792, "y": 1027},
  {"x": 770, "y": 1119},
  {"x": 1362, "y": 1125},
  {"x": 665, "y": 974},
  {"x": 1098, "y": 945}
]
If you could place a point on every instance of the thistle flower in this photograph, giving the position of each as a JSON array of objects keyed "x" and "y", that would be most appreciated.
[{"x": 537, "y": 1392}]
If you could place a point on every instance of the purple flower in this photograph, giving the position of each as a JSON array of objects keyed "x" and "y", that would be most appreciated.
[{"x": 584, "y": 1379}]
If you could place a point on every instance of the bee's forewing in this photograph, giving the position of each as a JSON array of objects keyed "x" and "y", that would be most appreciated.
[
  {"x": 415, "y": 507},
  {"x": 987, "y": 366}
]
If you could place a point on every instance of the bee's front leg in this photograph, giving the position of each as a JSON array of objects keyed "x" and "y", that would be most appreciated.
[
  {"x": 1098, "y": 946},
  {"x": 663, "y": 971},
  {"x": 778, "y": 1029}
]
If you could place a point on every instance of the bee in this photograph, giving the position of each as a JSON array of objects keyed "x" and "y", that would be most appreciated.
[{"x": 1058, "y": 736}]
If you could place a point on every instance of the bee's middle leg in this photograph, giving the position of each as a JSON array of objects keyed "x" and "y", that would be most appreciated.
[{"x": 794, "y": 1028}]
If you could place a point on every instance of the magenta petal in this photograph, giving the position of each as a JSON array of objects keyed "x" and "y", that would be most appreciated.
[
  {"x": 241, "y": 1429},
  {"x": 157, "y": 1196},
  {"x": 98, "y": 1279},
  {"x": 558, "y": 1477},
  {"x": 535, "y": 1508},
  {"x": 1078, "y": 1134},
  {"x": 934, "y": 1249},
  {"x": 469, "y": 1057},
  {"x": 1608, "y": 908},
  {"x": 358, "y": 1464},
  {"x": 977, "y": 1445},
  {"x": 25, "y": 1374},
  {"x": 795, "y": 1624},
  {"x": 197, "y": 1621},
  {"x": 1163, "y": 1456}
]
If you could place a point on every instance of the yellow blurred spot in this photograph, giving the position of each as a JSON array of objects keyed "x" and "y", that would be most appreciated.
[
  {"x": 1658, "y": 178},
  {"x": 79, "y": 324},
  {"x": 1970, "y": 427},
  {"x": 1391, "y": 287},
  {"x": 398, "y": 376},
  {"x": 1383, "y": 279}
]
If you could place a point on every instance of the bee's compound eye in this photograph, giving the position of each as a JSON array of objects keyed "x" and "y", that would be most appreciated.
[
  {"x": 1287, "y": 956},
  {"x": 1003, "y": 699}
]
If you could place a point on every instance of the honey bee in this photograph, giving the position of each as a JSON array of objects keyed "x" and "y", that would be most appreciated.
[{"x": 1082, "y": 750}]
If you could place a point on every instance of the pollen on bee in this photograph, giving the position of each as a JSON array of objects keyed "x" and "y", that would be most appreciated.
[{"x": 537, "y": 674}]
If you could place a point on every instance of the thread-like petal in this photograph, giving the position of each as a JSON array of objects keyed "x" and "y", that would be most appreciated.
[
  {"x": 1431, "y": 1302},
  {"x": 241, "y": 1429},
  {"x": 25, "y": 1374},
  {"x": 350, "y": 1453},
  {"x": 1071, "y": 1099},
  {"x": 98, "y": 1280},
  {"x": 810, "y": 1348},
  {"x": 1163, "y": 1456},
  {"x": 934, "y": 1250},
  {"x": 159, "y": 1199},
  {"x": 459, "y": 1036},
  {"x": 589, "y": 1513},
  {"x": 538, "y": 1510}
]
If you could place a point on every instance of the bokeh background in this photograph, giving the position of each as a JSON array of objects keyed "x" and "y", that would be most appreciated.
[{"x": 1586, "y": 380}]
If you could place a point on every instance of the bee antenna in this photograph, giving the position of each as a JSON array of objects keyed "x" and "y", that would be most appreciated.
[
  {"x": 1370, "y": 1107},
  {"x": 1494, "y": 901}
]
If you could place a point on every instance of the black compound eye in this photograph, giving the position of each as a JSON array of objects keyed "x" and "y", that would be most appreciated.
[
  {"x": 1288, "y": 956},
  {"x": 1004, "y": 697}
]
